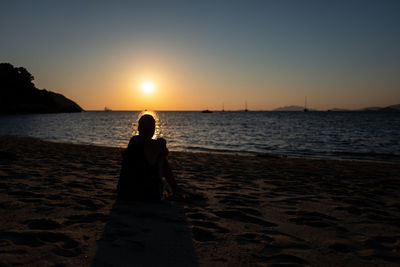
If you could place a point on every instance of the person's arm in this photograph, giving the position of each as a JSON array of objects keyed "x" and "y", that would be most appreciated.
[
  {"x": 162, "y": 144},
  {"x": 169, "y": 176},
  {"x": 166, "y": 168}
]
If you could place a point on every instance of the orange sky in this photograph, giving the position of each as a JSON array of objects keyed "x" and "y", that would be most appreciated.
[
  {"x": 178, "y": 87},
  {"x": 203, "y": 54}
]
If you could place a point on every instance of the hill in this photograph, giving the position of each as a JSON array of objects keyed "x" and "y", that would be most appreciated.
[
  {"x": 292, "y": 108},
  {"x": 18, "y": 94},
  {"x": 392, "y": 108}
]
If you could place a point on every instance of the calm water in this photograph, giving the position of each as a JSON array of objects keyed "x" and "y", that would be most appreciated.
[{"x": 317, "y": 134}]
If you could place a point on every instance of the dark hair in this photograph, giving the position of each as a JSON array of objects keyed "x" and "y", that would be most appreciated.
[{"x": 146, "y": 125}]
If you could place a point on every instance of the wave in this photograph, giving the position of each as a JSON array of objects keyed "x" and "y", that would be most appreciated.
[
  {"x": 390, "y": 157},
  {"x": 212, "y": 150},
  {"x": 328, "y": 135},
  {"x": 367, "y": 155}
]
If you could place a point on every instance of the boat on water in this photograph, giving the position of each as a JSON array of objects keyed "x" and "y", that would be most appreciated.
[
  {"x": 106, "y": 109},
  {"x": 305, "y": 105},
  {"x": 206, "y": 111}
]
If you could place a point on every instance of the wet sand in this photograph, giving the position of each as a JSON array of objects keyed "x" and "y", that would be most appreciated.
[{"x": 58, "y": 207}]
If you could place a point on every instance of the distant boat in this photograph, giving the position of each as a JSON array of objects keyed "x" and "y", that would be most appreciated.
[
  {"x": 106, "y": 109},
  {"x": 305, "y": 105},
  {"x": 223, "y": 107},
  {"x": 245, "y": 107},
  {"x": 206, "y": 111}
]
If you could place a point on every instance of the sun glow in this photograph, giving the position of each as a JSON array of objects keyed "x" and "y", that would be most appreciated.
[{"x": 147, "y": 87}]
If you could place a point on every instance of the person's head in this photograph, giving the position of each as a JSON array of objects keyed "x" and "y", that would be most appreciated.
[{"x": 146, "y": 126}]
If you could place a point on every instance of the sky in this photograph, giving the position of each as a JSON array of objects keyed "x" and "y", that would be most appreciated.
[{"x": 208, "y": 54}]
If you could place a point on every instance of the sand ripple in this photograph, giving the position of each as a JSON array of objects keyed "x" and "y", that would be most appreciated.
[{"x": 58, "y": 207}]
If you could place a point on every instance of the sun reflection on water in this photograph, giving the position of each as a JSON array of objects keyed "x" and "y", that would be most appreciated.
[{"x": 322, "y": 134}]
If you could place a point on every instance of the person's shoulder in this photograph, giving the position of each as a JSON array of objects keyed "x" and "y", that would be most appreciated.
[
  {"x": 134, "y": 140},
  {"x": 162, "y": 145},
  {"x": 161, "y": 141}
]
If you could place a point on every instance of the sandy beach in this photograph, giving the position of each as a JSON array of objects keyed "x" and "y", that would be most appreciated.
[{"x": 58, "y": 208}]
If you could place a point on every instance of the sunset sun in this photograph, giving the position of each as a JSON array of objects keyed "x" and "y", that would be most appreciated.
[{"x": 147, "y": 87}]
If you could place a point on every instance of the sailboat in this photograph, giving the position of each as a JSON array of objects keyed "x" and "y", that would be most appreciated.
[
  {"x": 106, "y": 109},
  {"x": 305, "y": 105},
  {"x": 245, "y": 106},
  {"x": 223, "y": 107}
]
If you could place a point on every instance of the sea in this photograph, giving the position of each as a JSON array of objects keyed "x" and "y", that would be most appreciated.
[{"x": 338, "y": 135}]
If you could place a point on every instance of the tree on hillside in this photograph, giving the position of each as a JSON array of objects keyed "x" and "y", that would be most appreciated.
[
  {"x": 15, "y": 79},
  {"x": 18, "y": 94}
]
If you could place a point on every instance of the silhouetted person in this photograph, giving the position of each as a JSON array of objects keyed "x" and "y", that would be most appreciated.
[{"x": 144, "y": 163}]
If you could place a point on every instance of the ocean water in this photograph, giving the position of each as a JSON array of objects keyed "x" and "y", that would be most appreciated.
[{"x": 354, "y": 135}]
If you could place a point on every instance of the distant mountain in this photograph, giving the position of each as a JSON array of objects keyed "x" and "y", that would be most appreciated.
[
  {"x": 18, "y": 94},
  {"x": 338, "y": 109},
  {"x": 292, "y": 108},
  {"x": 289, "y": 108},
  {"x": 392, "y": 108},
  {"x": 371, "y": 109}
]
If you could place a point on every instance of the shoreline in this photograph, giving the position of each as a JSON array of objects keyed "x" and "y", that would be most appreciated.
[
  {"x": 58, "y": 206},
  {"x": 243, "y": 153}
]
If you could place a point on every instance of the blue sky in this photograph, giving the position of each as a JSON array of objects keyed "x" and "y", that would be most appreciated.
[{"x": 201, "y": 54}]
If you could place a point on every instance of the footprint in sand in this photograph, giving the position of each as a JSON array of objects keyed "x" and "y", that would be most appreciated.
[
  {"x": 281, "y": 259},
  {"x": 67, "y": 246},
  {"x": 314, "y": 219},
  {"x": 342, "y": 247},
  {"x": 27, "y": 194},
  {"x": 89, "y": 218},
  {"x": 196, "y": 215},
  {"x": 383, "y": 247},
  {"x": 203, "y": 234},
  {"x": 88, "y": 204},
  {"x": 238, "y": 215},
  {"x": 237, "y": 200},
  {"x": 42, "y": 224},
  {"x": 210, "y": 225},
  {"x": 253, "y": 238}
]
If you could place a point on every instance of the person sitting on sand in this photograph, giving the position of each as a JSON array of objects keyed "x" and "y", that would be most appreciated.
[{"x": 144, "y": 163}]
